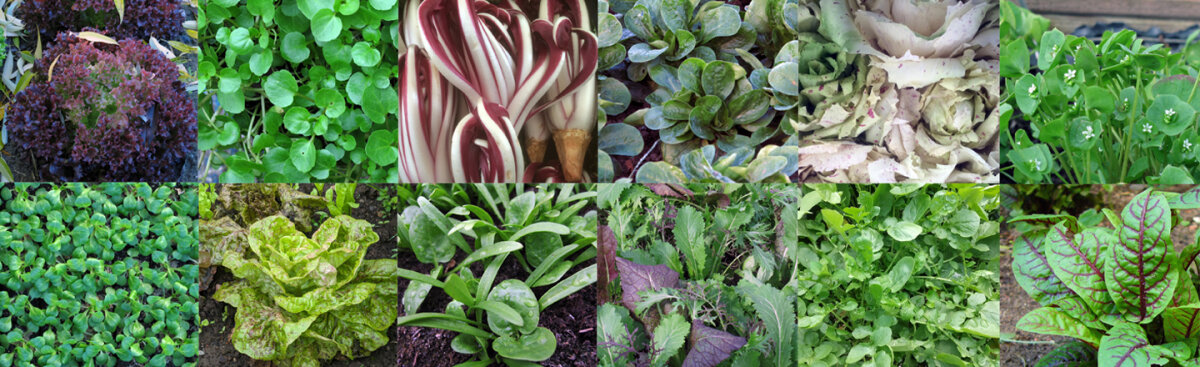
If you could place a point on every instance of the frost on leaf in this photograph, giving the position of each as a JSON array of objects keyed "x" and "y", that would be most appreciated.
[{"x": 710, "y": 346}]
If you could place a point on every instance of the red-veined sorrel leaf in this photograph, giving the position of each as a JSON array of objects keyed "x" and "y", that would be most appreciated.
[
  {"x": 1180, "y": 323},
  {"x": 710, "y": 346},
  {"x": 1071, "y": 354},
  {"x": 1033, "y": 272},
  {"x": 1187, "y": 200},
  {"x": 1141, "y": 278},
  {"x": 1126, "y": 346},
  {"x": 1079, "y": 310},
  {"x": 428, "y": 104},
  {"x": 1049, "y": 320},
  {"x": 484, "y": 147},
  {"x": 1078, "y": 261}
]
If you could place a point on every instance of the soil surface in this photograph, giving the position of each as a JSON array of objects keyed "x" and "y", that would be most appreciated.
[
  {"x": 1020, "y": 348},
  {"x": 572, "y": 320},
  {"x": 216, "y": 348}
]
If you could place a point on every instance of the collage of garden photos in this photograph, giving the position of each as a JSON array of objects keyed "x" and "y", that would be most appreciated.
[{"x": 582, "y": 183}]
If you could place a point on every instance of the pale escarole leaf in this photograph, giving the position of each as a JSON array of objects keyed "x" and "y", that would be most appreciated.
[{"x": 1143, "y": 277}]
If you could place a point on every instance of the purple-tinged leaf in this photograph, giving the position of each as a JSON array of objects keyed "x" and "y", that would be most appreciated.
[
  {"x": 1187, "y": 200},
  {"x": 710, "y": 346},
  {"x": 428, "y": 107},
  {"x": 484, "y": 147},
  {"x": 1141, "y": 278},
  {"x": 1071, "y": 354},
  {"x": 1181, "y": 323},
  {"x": 1032, "y": 270},
  {"x": 1078, "y": 261},
  {"x": 1188, "y": 255},
  {"x": 606, "y": 245},
  {"x": 1126, "y": 345},
  {"x": 636, "y": 278},
  {"x": 1052, "y": 321}
]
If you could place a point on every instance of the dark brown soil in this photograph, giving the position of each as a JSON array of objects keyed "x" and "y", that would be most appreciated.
[
  {"x": 1016, "y": 303},
  {"x": 572, "y": 320},
  {"x": 215, "y": 345}
]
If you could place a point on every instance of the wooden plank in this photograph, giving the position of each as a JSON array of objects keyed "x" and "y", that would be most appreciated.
[
  {"x": 1068, "y": 23},
  {"x": 1168, "y": 9}
]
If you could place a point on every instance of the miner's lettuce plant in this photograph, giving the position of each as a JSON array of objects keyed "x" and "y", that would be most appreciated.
[
  {"x": 301, "y": 299},
  {"x": 1125, "y": 294},
  {"x": 300, "y": 90},
  {"x": 541, "y": 230},
  {"x": 1087, "y": 112},
  {"x": 98, "y": 275}
]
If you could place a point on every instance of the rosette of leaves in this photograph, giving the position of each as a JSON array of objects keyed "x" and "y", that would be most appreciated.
[
  {"x": 497, "y": 322},
  {"x": 300, "y": 91},
  {"x": 301, "y": 300},
  {"x": 1124, "y": 294},
  {"x": 98, "y": 275},
  {"x": 672, "y": 30},
  {"x": 710, "y": 101},
  {"x": 136, "y": 19},
  {"x": 828, "y": 74},
  {"x": 105, "y": 111}
]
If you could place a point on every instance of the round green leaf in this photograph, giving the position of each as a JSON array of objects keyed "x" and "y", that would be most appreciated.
[
  {"x": 297, "y": 121},
  {"x": 326, "y": 26},
  {"x": 784, "y": 78},
  {"x": 614, "y": 96},
  {"x": 295, "y": 47},
  {"x": 749, "y": 106},
  {"x": 331, "y": 102},
  {"x": 304, "y": 155},
  {"x": 381, "y": 148},
  {"x": 229, "y": 81},
  {"x": 610, "y": 30},
  {"x": 310, "y": 8},
  {"x": 535, "y": 347},
  {"x": 383, "y": 4},
  {"x": 639, "y": 21},
  {"x": 621, "y": 139},
  {"x": 717, "y": 79},
  {"x": 610, "y": 56},
  {"x": 515, "y": 294},
  {"x": 260, "y": 63},
  {"x": 240, "y": 42},
  {"x": 348, "y": 7},
  {"x": 281, "y": 88},
  {"x": 234, "y": 102},
  {"x": 229, "y": 133},
  {"x": 722, "y": 21},
  {"x": 643, "y": 52},
  {"x": 262, "y": 8},
  {"x": 364, "y": 55},
  {"x": 355, "y": 87},
  {"x": 1171, "y": 114}
]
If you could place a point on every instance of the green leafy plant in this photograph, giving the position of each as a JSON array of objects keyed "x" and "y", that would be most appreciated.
[
  {"x": 718, "y": 75},
  {"x": 1124, "y": 293},
  {"x": 98, "y": 275},
  {"x": 898, "y": 275},
  {"x": 300, "y": 90},
  {"x": 1087, "y": 112},
  {"x": 540, "y": 229},
  {"x": 302, "y": 299},
  {"x": 694, "y": 286}
]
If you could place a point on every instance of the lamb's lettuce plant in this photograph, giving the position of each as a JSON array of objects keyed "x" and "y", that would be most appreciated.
[
  {"x": 1126, "y": 293},
  {"x": 98, "y": 275},
  {"x": 541, "y": 230}
]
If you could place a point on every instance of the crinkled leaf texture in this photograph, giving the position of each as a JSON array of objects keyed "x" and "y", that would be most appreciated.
[
  {"x": 710, "y": 346},
  {"x": 1142, "y": 276},
  {"x": 301, "y": 300}
]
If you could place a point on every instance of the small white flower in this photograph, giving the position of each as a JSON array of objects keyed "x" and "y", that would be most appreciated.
[
  {"x": 1069, "y": 75},
  {"x": 1077, "y": 47},
  {"x": 1037, "y": 163},
  {"x": 1088, "y": 133},
  {"x": 1187, "y": 145},
  {"x": 1125, "y": 59},
  {"x": 1032, "y": 89},
  {"x": 1146, "y": 128},
  {"x": 1170, "y": 112}
]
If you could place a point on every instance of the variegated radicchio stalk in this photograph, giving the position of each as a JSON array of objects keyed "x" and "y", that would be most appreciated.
[{"x": 478, "y": 75}]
